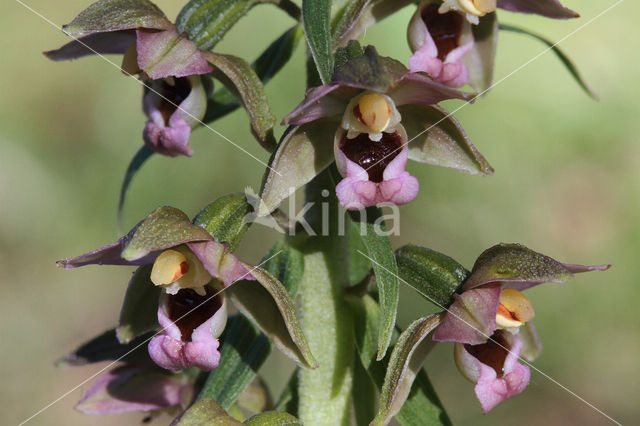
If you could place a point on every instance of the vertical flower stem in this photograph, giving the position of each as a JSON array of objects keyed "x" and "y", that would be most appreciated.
[{"x": 324, "y": 393}]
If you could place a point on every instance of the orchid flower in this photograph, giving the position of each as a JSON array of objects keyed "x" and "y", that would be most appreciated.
[
  {"x": 490, "y": 320},
  {"x": 370, "y": 101},
  {"x": 191, "y": 268}
]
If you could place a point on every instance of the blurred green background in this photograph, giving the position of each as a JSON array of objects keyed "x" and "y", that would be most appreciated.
[{"x": 567, "y": 183}]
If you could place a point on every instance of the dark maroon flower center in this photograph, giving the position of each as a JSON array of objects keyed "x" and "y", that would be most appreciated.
[
  {"x": 493, "y": 353},
  {"x": 172, "y": 96},
  {"x": 372, "y": 156},
  {"x": 180, "y": 309},
  {"x": 445, "y": 29}
]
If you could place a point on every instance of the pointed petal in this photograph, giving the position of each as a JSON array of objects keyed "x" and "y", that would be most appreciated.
[
  {"x": 471, "y": 319},
  {"x": 322, "y": 101},
  {"x": 100, "y": 43},
  {"x": 219, "y": 262},
  {"x": 548, "y": 8}
]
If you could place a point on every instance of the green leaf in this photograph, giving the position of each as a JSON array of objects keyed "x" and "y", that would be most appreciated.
[
  {"x": 573, "y": 70},
  {"x": 515, "y": 262},
  {"x": 434, "y": 275},
  {"x": 139, "y": 313},
  {"x": 379, "y": 251},
  {"x": 106, "y": 347},
  {"x": 304, "y": 151},
  {"x": 481, "y": 59},
  {"x": 165, "y": 227},
  {"x": 316, "y": 15},
  {"x": 137, "y": 161},
  {"x": 205, "y": 412},
  {"x": 117, "y": 15},
  {"x": 406, "y": 361},
  {"x": 364, "y": 395},
  {"x": 437, "y": 138},
  {"x": 366, "y": 318},
  {"x": 359, "y": 266},
  {"x": 225, "y": 218},
  {"x": 273, "y": 418},
  {"x": 268, "y": 304},
  {"x": 286, "y": 264},
  {"x": 238, "y": 77},
  {"x": 208, "y": 21},
  {"x": 422, "y": 406},
  {"x": 345, "y": 20},
  {"x": 243, "y": 350},
  {"x": 268, "y": 64}
]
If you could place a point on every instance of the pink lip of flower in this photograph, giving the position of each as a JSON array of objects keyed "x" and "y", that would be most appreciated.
[
  {"x": 202, "y": 317},
  {"x": 494, "y": 383},
  {"x": 440, "y": 58}
]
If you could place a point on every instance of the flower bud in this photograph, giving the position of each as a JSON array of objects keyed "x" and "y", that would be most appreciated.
[
  {"x": 179, "y": 268},
  {"x": 514, "y": 309}
]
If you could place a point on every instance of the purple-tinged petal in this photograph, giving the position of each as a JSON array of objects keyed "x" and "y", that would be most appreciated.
[
  {"x": 520, "y": 268},
  {"x": 171, "y": 141},
  {"x": 500, "y": 379},
  {"x": 163, "y": 228},
  {"x": 322, "y": 101},
  {"x": 100, "y": 43},
  {"x": 575, "y": 269},
  {"x": 418, "y": 89},
  {"x": 126, "y": 389},
  {"x": 219, "y": 262},
  {"x": 471, "y": 318},
  {"x": 548, "y": 8},
  {"x": 167, "y": 53}
]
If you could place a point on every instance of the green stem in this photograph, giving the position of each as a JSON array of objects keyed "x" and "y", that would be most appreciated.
[{"x": 324, "y": 393}]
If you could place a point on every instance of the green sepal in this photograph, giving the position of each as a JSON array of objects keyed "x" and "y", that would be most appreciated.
[
  {"x": 165, "y": 227},
  {"x": 438, "y": 139},
  {"x": 239, "y": 78},
  {"x": 225, "y": 218},
  {"x": 273, "y": 418},
  {"x": 117, "y": 15},
  {"x": 304, "y": 151},
  {"x": 267, "y": 303},
  {"x": 205, "y": 412},
  {"x": 370, "y": 71},
  {"x": 433, "y": 275},
  {"x": 139, "y": 313},
  {"x": 573, "y": 70},
  {"x": 345, "y": 54}
]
